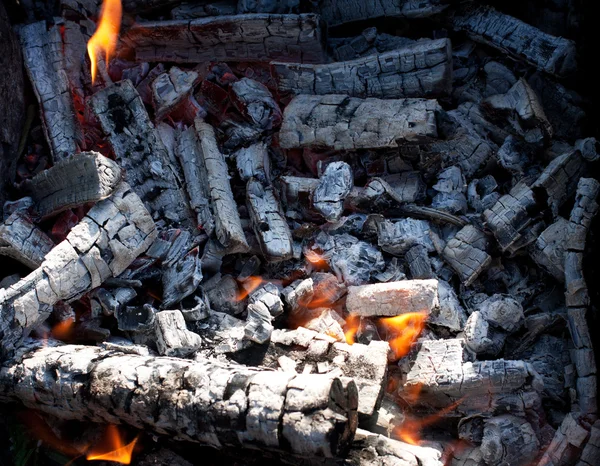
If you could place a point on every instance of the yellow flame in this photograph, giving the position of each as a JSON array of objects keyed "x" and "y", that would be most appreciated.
[
  {"x": 249, "y": 285},
  {"x": 105, "y": 37},
  {"x": 406, "y": 329},
  {"x": 352, "y": 326},
  {"x": 119, "y": 453}
]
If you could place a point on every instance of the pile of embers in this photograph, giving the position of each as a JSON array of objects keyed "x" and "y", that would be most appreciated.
[{"x": 259, "y": 237}]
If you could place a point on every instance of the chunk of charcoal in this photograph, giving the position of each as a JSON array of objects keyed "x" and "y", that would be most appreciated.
[
  {"x": 172, "y": 336},
  {"x": 502, "y": 311},
  {"x": 481, "y": 337},
  {"x": 418, "y": 262},
  {"x": 451, "y": 187},
  {"x": 258, "y": 326},
  {"x": 334, "y": 186},
  {"x": 398, "y": 237}
]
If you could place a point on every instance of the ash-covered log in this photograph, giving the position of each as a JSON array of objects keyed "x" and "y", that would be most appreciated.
[
  {"x": 45, "y": 64},
  {"x": 340, "y": 122},
  {"x": 72, "y": 182},
  {"x": 422, "y": 69},
  {"x": 247, "y": 38},
  {"x": 210, "y": 402},
  {"x": 22, "y": 240},
  {"x": 102, "y": 245},
  {"x": 139, "y": 150},
  {"x": 555, "y": 55}
]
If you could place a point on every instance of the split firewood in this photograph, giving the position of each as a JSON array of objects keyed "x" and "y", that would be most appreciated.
[
  {"x": 554, "y": 55},
  {"x": 170, "y": 89},
  {"x": 172, "y": 336},
  {"x": 247, "y": 38},
  {"x": 340, "y": 122},
  {"x": 254, "y": 162},
  {"x": 334, "y": 186},
  {"x": 141, "y": 153},
  {"x": 22, "y": 240},
  {"x": 467, "y": 254},
  {"x": 188, "y": 153},
  {"x": 268, "y": 222},
  {"x": 102, "y": 245},
  {"x": 344, "y": 11},
  {"x": 256, "y": 103},
  {"x": 306, "y": 415},
  {"x": 365, "y": 364},
  {"x": 422, "y": 69},
  {"x": 228, "y": 226},
  {"x": 392, "y": 299},
  {"x": 45, "y": 64},
  {"x": 568, "y": 441},
  {"x": 74, "y": 181}
]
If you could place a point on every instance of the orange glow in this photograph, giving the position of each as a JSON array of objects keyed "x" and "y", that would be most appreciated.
[
  {"x": 315, "y": 259},
  {"x": 104, "y": 39},
  {"x": 352, "y": 326},
  {"x": 117, "y": 451},
  {"x": 248, "y": 286},
  {"x": 410, "y": 430},
  {"x": 63, "y": 330},
  {"x": 405, "y": 329}
]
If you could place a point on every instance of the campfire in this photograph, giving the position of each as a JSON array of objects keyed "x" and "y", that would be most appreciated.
[{"x": 320, "y": 232}]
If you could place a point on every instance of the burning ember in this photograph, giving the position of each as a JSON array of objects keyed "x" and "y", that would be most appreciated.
[
  {"x": 248, "y": 286},
  {"x": 105, "y": 38},
  {"x": 115, "y": 449},
  {"x": 404, "y": 330},
  {"x": 410, "y": 430}
]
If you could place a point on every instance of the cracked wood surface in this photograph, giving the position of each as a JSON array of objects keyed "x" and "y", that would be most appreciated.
[
  {"x": 228, "y": 226},
  {"x": 423, "y": 69},
  {"x": 467, "y": 254},
  {"x": 46, "y": 67},
  {"x": 484, "y": 24},
  {"x": 210, "y": 402},
  {"x": 22, "y": 240},
  {"x": 141, "y": 153},
  {"x": 334, "y": 186},
  {"x": 103, "y": 244},
  {"x": 268, "y": 222},
  {"x": 340, "y": 122},
  {"x": 74, "y": 181},
  {"x": 247, "y": 38}
]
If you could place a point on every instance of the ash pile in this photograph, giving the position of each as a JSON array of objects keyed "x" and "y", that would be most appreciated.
[{"x": 267, "y": 229}]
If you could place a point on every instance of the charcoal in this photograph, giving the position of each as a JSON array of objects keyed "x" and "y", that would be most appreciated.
[
  {"x": 172, "y": 336},
  {"x": 334, "y": 186}
]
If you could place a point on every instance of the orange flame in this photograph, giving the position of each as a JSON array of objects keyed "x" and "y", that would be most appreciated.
[
  {"x": 406, "y": 328},
  {"x": 63, "y": 330},
  {"x": 352, "y": 326},
  {"x": 248, "y": 286},
  {"x": 105, "y": 37},
  {"x": 315, "y": 259},
  {"x": 410, "y": 429},
  {"x": 118, "y": 453}
]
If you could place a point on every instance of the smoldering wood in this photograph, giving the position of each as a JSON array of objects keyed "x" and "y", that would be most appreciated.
[
  {"x": 253, "y": 162},
  {"x": 259, "y": 325},
  {"x": 22, "y": 240},
  {"x": 450, "y": 314},
  {"x": 74, "y": 181},
  {"x": 228, "y": 226},
  {"x": 334, "y": 186},
  {"x": 102, "y": 245},
  {"x": 308, "y": 415},
  {"x": 268, "y": 222},
  {"x": 340, "y": 122},
  {"x": 467, "y": 254},
  {"x": 45, "y": 65},
  {"x": 365, "y": 364},
  {"x": 223, "y": 294},
  {"x": 392, "y": 299},
  {"x": 502, "y": 311},
  {"x": 188, "y": 153},
  {"x": 75, "y": 36},
  {"x": 337, "y": 12},
  {"x": 247, "y": 38},
  {"x": 169, "y": 89},
  {"x": 141, "y": 153},
  {"x": 298, "y": 293},
  {"x": 422, "y": 69},
  {"x": 255, "y": 101},
  {"x": 327, "y": 322},
  {"x": 482, "y": 23},
  {"x": 172, "y": 336}
]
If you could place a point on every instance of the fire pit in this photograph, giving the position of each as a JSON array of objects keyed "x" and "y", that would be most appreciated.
[{"x": 328, "y": 232}]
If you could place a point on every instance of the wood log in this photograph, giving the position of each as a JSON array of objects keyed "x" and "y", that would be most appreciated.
[
  {"x": 209, "y": 402},
  {"x": 554, "y": 55},
  {"x": 336, "y": 12},
  {"x": 392, "y": 299},
  {"x": 422, "y": 69},
  {"x": 365, "y": 364},
  {"x": 345, "y": 123},
  {"x": 268, "y": 222},
  {"x": 72, "y": 182},
  {"x": 24, "y": 241},
  {"x": 247, "y": 38},
  {"x": 141, "y": 153},
  {"x": 45, "y": 65},
  {"x": 467, "y": 254},
  {"x": 228, "y": 226},
  {"x": 334, "y": 186},
  {"x": 102, "y": 245}
]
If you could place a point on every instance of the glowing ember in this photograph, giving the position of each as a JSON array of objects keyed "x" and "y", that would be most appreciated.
[
  {"x": 104, "y": 39},
  {"x": 315, "y": 259},
  {"x": 117, "y": 452},
  {"x": 410, "y": 430},
  {"x": 352, "y": 326},
  {"x": 63, "y": 330},
  {"x": 248, "y": 286},
  {"x": 405, "y": 329}
]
